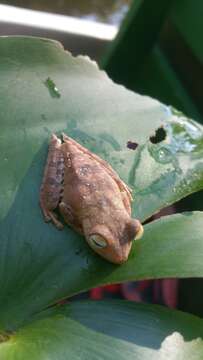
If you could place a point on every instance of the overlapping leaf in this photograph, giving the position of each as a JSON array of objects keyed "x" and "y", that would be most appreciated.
[{"x": 107, "y": 330}]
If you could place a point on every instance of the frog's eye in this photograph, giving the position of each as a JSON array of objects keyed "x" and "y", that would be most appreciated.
[{"x": 97, "y": 241}]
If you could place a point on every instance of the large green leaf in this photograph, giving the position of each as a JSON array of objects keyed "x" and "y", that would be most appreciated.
[
  {"x": 107, "y": 330},
  {"x": 44, "y": 89}
]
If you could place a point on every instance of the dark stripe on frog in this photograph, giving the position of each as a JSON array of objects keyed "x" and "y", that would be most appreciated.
[
  {"x": 58, "y": 162},
  {"x": 54, "y": 181}
]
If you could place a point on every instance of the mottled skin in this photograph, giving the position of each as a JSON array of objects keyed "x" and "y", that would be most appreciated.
[{"x": 91, "y": 198}]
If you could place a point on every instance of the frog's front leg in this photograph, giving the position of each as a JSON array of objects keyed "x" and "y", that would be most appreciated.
[
  {"x": 70, "y": 217},
  {"x": 52, "y": 187}
]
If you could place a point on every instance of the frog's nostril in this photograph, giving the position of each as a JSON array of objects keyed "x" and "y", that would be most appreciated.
[{"x": 123, "y": 257}]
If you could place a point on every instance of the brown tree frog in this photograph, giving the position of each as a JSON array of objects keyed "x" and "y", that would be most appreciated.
[{"x": 91, "y": 198}]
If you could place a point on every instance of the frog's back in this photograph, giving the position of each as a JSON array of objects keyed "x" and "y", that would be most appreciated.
[{"x": 88, "y": 176}]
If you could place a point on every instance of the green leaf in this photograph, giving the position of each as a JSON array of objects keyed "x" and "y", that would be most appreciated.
[
  {"x": 107, "y": 330},
  {"x": 43, "y": 90},
  {"x": 170, "y": 247}
]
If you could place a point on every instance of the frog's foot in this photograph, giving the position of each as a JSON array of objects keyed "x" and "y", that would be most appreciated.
[
  {"x": 51, "y": 216},
  {"x": 69, "y": 217},
  {"x": 55, "y": 221}
]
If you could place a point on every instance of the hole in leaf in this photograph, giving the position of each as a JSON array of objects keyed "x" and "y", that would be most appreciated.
[
  {"x": 132, "y": 145},
  {"x": 159, "y": 136}
]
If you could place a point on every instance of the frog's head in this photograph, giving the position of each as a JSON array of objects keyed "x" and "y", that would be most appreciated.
[{"x": 115, "y": 245}]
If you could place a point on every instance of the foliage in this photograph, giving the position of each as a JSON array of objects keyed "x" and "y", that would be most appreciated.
[{"x": 44, "y": 90}]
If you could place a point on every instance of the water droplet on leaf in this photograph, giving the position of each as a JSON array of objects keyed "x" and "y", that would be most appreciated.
[
  {"x": 163, "y": 155},
  {"x": 184, "y": 135}
]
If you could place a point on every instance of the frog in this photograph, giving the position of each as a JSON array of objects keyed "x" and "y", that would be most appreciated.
[{"x": 82, "y": 190}]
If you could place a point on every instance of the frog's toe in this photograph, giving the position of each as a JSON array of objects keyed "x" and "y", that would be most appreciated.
[
  {"x": 51, "y": 216},
  {"x": 47, "y": 218}
]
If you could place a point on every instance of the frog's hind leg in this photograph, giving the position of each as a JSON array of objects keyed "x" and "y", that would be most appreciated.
[{"x": 51, "y": 188}]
